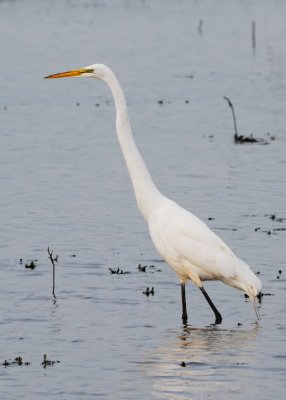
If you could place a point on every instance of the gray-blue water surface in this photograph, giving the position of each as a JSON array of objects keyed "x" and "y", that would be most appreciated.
[{"x": 64, "y": 184}]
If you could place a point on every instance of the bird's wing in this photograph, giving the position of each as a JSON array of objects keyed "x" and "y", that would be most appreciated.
[{"x": 179, "y": 235}]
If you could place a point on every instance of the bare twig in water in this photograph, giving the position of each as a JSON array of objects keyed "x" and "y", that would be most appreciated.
[
  {"x": 233, "y": 116},
  {"x": 240, "y": 139},
  {"x": 253, "y": 36},
  {"x": 53, "y": 261},
  {"x": 200, "y": 27}
]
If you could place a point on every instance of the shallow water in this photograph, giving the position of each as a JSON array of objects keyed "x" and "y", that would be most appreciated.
[{"x": 64, "y": 185}]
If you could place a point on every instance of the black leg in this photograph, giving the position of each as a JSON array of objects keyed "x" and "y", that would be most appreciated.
[
  {"x": 184, "y": 305},
  {"x": 218, "y": 317}
]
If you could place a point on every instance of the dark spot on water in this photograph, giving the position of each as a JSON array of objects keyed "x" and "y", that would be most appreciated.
[
  {"x": 47, "y": 362},
  {"x": 73, "y": 255},
  {"x": 161, "y": 102},
  {"x": 258, "y": 273},
  {"x": 275, "y": 218},
  {"x": 148, "y": 291},
  {"x": 272, "y": 137},
  {"x": 239, "y": 324},
  {"x": 142, "y": 268},
  {"x": 278, "y": 277},
  {"x": 78, "y": 104},
  {"x": 257, "y": 229},
  {"x": 241, "y": 139},
  {"x": 280, "y": 271},
  {"x": 97, "y": 105},
  {"x": 118, "y": 271},
  {"x": 186, "y": 101},
  {"x": 21, "y": 261},
  {"x": 32, "y": 265},
  {"x": 211, "y": 218},
  {"x": 17, "y": 361},
  {"x": 183, "y": 364},
  {"x": 261, "y": 295}
]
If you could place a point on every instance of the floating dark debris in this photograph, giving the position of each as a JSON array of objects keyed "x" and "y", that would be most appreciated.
[
  {"x": 142, "y": 268},
  {"x": 148, "y": 291},
  {"x": 241, "y": 139},
  {"x": 275, "y": 218},
  {"x": 47, "y": 362},
  {"x": 17, "y": 361},
  {"x": 32, "y": 265},
  {"x": 239, "y": 324},
  {"x": 268, "y": 231},
  {"x": 183, "y": 364},
  {"x": 280, "y": 271},
  {"x": 118, "y": 271},
  {"x": 211, "y": 218},
  {"x": 161, "y": 102},
  {"x": 259, "y": 296}
]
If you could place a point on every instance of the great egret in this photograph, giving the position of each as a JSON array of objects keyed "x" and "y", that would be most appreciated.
[{"x": 186, "y": 243}]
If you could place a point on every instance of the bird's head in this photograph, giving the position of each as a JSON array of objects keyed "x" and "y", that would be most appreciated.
[{"x": 98, "y": 71}]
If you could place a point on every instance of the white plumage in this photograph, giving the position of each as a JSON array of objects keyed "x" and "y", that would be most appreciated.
[{"x": 186, "y": 243}]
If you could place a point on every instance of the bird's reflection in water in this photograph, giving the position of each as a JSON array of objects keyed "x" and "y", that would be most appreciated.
[{"x": 207, "y": 362}]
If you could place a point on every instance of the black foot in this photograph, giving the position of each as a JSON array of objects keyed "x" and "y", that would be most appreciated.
[{"x": 218, "y": 319}]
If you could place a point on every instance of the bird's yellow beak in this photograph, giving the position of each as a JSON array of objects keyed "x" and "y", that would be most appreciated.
[{"x": 67, "y": 74}]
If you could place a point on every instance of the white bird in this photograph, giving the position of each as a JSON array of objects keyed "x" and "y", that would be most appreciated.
[{"x": 185, "y": 242}]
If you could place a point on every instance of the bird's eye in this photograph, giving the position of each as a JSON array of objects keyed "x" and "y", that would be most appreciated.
[{"x": 90, "y": 70}]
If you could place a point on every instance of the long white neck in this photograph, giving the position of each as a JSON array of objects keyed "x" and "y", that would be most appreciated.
[{"x": 146, "y": 193}]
